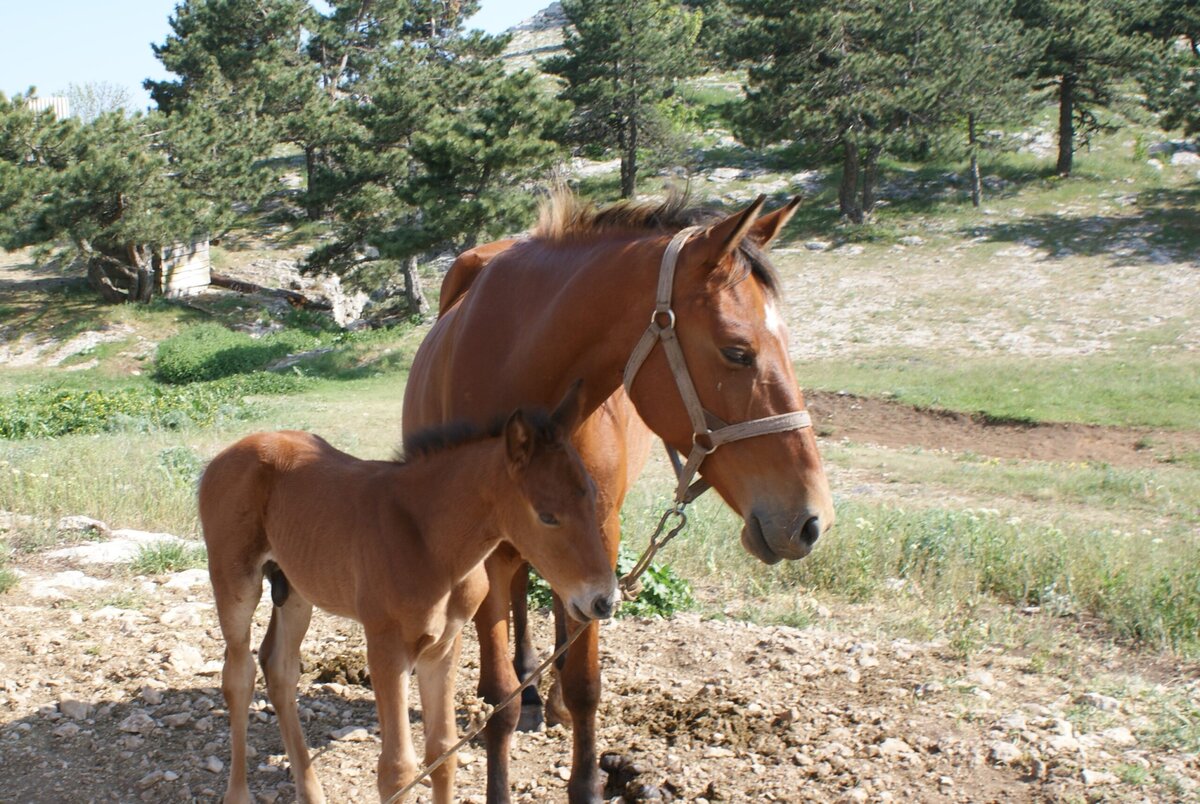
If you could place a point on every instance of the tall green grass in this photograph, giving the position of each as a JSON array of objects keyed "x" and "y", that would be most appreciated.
[{"x": 1144, "y": 587}]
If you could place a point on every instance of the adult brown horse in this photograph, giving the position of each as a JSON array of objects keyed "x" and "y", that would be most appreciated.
[{"x": 521, "y": 320}]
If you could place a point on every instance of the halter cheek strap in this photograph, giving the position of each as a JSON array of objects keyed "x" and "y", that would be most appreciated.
[{"x": 708, "y": 431}]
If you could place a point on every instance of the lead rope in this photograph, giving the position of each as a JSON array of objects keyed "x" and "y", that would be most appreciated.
[{"x": 629, "y": 587}]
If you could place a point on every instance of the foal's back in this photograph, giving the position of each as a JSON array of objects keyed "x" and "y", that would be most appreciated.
[{"x": 292, "y": 496}]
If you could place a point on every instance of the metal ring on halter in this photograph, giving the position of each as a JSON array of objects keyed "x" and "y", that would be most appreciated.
[
  {"x": 670, "y": 318},
  {"x": 708, "y": 448}
]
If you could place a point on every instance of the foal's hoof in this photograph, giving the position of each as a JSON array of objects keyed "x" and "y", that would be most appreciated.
[{"x": 531, "y": 718}]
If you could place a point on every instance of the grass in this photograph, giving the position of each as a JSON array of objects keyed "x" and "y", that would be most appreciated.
[
  {"x": 1124, "y": 389},
  {"x": 163, "y": 557},
  {"x": 1120, "y": 495}
]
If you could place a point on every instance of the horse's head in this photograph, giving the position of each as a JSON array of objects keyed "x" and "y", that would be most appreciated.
[
  {"x": 557, "y": 528},
  {"x": 735, "y": 343}
]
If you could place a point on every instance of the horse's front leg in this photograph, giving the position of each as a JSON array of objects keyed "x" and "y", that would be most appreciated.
[
  {"x": 579, "y": 676},
  {"x": 497, "y": 679},
  {"x": 525, "y": 660},
  {"x": 390, "y": 666}
]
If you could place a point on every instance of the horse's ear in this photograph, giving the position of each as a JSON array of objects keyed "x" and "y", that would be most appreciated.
[
  {"x": 518, "y": 439},
  {"x": 567, "y": 415},
  {"x": 714, "y": 244},
  {"x": 768, "y": 227}
]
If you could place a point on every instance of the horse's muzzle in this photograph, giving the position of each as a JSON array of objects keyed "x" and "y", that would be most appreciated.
[{"x": 771, "y": 544}]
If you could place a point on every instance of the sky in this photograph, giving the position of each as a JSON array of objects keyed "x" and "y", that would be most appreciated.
[{"x": 51, "y": 45}]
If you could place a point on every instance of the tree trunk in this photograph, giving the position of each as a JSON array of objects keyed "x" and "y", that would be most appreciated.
[
  {"x": 848, "y": 190},
  {"x": 99, "y": 280},
  {"x": 973, "y": 144},
  {"x": 1066, "y": 125},
  {"x": 629, "y": 163},
  {"x": 313, "y": 210},
  {"x": 870, "y": 171},
  {"x": 412, "y": 289}
]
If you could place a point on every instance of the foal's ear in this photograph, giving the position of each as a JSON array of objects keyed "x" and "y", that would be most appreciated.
[
  {"x": 715, "y": 243},
  {"x": 567, "y": 415},
  {"x": 518, "y": 439},
  {"x": 768, "y": 227}
]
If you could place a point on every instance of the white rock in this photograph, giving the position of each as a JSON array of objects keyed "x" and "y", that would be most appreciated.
[
  {"x": 1003, "y": 753},
  {"x": 913, "y": 240},
  {"x": 1091, "y": 777},
  {"x": 186, "y": 614},
  {"x": 187, "y": 579},
  {"x": 110, "y": 613},
  {"x": 894, "y": 747},
  {"x": 351, "y": 734},
  {"x": 67, "y": 730},
  {"x": 1062, "y": 743},
  {"x": 150, "y": 779},
  {"x": 81, "y": 524},
  {"x": 137, "y": 723},
  {"x": 1104, "y": 703},
  {"x": 212, "y": 764},
  {"x": 718, "y": 752},
  {"x": 1185, "y": 158},
  {"x": 58, "y": 585},
  {"x": 1119, "y": 735},
  {"x": 185, "y": 659},
  {"x": 178, "y": 719},
  {"x": 76, "y": 710},
  {"x": 151, "y": 695},
  {"x": 818, "y": 245},
  {"x": 122, "y": 548}
]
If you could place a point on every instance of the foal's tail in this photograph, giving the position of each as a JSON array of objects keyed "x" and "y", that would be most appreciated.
[{"x": 279, "y": 583}]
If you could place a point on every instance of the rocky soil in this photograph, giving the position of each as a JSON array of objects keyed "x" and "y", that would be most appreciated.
[{"x": 109, "y": 691}]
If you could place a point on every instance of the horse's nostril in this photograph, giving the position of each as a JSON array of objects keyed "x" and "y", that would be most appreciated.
[
  {"x": 602, "y": 607},
  {"x": 811, "y": 531}
]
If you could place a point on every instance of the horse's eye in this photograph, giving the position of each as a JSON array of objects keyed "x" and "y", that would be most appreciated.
[
  {"x": 738, "y": 356},
  {"x": 549, "y": 520}
]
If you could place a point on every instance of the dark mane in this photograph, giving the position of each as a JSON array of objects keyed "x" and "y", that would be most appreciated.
[
  {"x": 443, "y": 437},
  {"x": 564, "y": 217}
]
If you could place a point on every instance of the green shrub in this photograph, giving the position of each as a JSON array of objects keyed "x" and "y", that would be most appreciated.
[
  {"x": 46, "y": 411},
  {"x": 662, "y": 594},
  {"x": 163, "y": 557},
  {"x": 210, "y": 352}
]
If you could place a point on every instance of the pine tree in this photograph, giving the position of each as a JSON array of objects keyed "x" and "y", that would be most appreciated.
[
  {"x": 623, "y": 60},
  {"x": 1172, "y": 80},
  {"x": 442, "y": 147},
  {"x": 109, "y": 195},
  {"x": 1089, "y": 50},
  {"x": 987, "y": 56}
]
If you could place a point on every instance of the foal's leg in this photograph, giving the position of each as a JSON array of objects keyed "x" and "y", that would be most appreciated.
[
  {"x": 497, "y": 679},
  {"x": 390, "y": 665},
  {"x": 237, "y": 593},
  {"x": 525, "y": 660},
  {"x": 580, "y": 676},
  {"x": 435, "y": 674},
  {"x": 280, "y": 659}
]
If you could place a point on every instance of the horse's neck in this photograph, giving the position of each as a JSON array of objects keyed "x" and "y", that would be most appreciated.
[
  {"x": 584, "y": 320},
  {"x": 452, "y": 496}
]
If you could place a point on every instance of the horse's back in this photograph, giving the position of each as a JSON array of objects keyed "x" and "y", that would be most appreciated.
[{"x": 466, "y": 269}]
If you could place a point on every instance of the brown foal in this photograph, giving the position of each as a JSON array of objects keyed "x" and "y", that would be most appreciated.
[{"x": 397, "y": 546}]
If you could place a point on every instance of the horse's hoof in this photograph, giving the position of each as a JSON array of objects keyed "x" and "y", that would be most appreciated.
[{"x": 531, "y": 718}]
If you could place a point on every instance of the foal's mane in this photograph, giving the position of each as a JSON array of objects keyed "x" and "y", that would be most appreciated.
[
  {"x": 444, "y": 437},
  {"x": 564, "y": 217}
]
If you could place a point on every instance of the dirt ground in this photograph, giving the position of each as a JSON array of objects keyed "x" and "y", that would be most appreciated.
[{"x": 102, "y": 703}]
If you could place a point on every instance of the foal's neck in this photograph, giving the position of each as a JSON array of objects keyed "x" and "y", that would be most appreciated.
[{"x": 452, "y": 494}]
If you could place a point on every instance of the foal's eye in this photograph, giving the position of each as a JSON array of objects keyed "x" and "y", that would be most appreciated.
[
  {"x": 549, "y": 520},
  {"x": 738, "y": 356}
]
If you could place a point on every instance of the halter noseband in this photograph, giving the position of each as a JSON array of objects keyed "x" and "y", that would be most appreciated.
[{"x": 708, "y": 431}]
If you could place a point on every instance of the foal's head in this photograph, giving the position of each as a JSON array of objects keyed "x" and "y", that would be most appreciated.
[{"x": 555, "y": 525}]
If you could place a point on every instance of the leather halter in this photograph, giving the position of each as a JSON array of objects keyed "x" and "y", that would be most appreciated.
[{"x": 708, "y": 431}]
